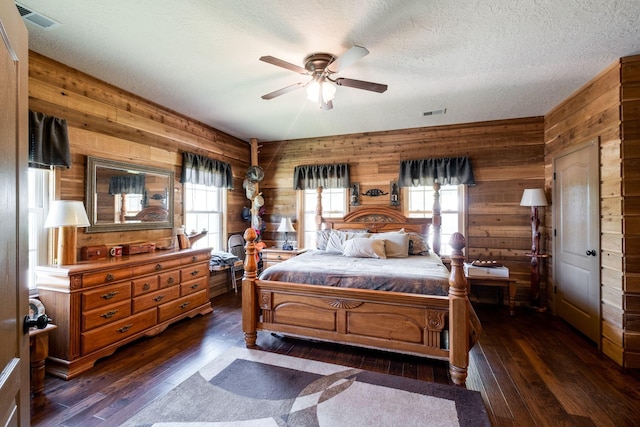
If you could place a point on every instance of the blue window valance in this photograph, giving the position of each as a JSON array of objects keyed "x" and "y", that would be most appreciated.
[
  {"x": 446, "y": 171},
  {"x": 202, "y": 170},
  {"x": 48, "y": 141},
  {"x": 325, "y": 176}
]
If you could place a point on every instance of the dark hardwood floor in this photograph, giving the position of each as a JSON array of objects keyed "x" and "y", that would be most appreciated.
[{"x": 532, "y": 370}]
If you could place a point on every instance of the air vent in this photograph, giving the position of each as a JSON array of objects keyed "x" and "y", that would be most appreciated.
[
  {"x": 434, "y": 112},
  {"x": 36, "y": 18}
]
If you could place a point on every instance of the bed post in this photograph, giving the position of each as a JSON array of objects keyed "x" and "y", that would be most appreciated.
[
  {"x": 436, "y": 221},
  {"x": 458, "y": 314},
  {"x": 249, "y": 297},
  {"x": 319, "y": 209}
]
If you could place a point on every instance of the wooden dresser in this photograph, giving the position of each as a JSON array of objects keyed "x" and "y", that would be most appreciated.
[{"x": 99, "y": 306}]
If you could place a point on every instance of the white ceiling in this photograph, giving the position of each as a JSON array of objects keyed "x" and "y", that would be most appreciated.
[{"x": 479, "y": 59}]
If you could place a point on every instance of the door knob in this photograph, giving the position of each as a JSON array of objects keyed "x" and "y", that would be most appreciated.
[{"x": 591, "y": 252}]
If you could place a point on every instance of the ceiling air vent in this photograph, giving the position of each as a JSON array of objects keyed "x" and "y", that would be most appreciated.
[{"x": 36, "y": 18}]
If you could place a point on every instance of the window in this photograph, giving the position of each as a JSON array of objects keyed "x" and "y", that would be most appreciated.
[
  {"x": 334, "y": 205},
  {"x": 203, "y": 211},
  {"x": 38, "y": 208},
  {"x": 420, "y": 204}
]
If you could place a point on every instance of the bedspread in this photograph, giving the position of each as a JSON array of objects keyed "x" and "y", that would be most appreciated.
[{"x": 415, "y": 274}]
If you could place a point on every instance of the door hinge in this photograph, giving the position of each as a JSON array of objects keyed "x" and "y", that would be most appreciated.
[
  {"x": 554, "y": 176},
  {"x": 555, "y": 289},
  {"x": 554, "y": 232}
]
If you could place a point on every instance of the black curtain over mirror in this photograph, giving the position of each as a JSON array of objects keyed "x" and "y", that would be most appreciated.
[
  {"x": 129, "y": 184},
  {"x": 446, "y": 171},
  {"x": 325, "y": 176}
]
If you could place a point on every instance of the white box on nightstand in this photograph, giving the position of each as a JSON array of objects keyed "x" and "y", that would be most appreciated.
[{"x": 476, "y": 271}]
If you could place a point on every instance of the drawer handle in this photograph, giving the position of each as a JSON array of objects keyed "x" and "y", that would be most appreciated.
[
  {"x": 279, "y": 256},
  {"x": 185, "y": 304},
  {"x": 170, "y": 280},
  {"x": 146, "y": 287},
  {"x": 125, "y": 328},
  {"x": 159, "y": 298},
  {"x": 109, "y": 314},
  {"x": 110, "y": 295},
  {"x": 110, "y": 277},
  {"x": 195, "y": 272},
  {"x": 195, "y": 286},
  {"x": 158, "y": 267},
  {"x": 194, "y": 258}
]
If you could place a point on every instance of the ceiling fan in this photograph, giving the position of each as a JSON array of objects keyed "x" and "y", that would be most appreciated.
[{"x": 321, "y": 66}]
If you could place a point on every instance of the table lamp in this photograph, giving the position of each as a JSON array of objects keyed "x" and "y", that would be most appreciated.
[
  {"x": 68, "y": 215},
  {"x": 286, "y": 227}
]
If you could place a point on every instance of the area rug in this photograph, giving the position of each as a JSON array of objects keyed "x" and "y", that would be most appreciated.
[{"x": 254, "y": 388}]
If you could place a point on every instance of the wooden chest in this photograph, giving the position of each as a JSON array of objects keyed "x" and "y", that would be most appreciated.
[{"x": 92, "y": 253}]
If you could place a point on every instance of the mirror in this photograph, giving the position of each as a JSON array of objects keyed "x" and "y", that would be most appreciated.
[{"x": 123, "y": 196}]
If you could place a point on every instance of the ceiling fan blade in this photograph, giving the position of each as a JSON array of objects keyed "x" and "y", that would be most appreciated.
[
  {"x": 284, "y": 64},
  {"x": 282, "y": 91},
  {"x": 347, "y": 58},
  {"x": 359, "y": 84}
]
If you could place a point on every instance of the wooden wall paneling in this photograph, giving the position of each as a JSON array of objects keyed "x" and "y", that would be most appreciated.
[
  {"x": 105, "y": 121},
  {"x": 511, "y": 159}
]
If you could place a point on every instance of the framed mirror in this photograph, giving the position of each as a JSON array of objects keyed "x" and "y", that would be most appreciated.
[{"x": 122, "y": 196}]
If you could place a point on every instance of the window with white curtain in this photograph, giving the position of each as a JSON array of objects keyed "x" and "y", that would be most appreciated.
[
  {"x": 204, "y": 211},
  {"x": 38, "y": 208},
  {"x": 334, "y": 205},
  {"x": 420, "y": 205}
]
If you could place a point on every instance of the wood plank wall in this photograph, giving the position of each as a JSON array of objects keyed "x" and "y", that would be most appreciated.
[
  {"x": 105, "y": 121},
  {"x": 607, "y": 108},
  {"x": 507, "y": 157}
]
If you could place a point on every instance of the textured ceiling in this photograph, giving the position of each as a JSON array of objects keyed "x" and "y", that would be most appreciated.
[{"x": 479, "y": 59}]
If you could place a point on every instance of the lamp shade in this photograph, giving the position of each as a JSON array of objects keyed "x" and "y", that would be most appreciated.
[
  {"x": 533, "y": 197},
  {"x": 285, "y": 226},
  {"x": 65, "y": 213},
  {"x": 318, "y": 89}
]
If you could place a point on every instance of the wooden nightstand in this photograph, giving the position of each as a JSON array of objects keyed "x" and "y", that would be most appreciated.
[
  {"x": 496, "y": 281},
  {"x": 272, "y": 256}
]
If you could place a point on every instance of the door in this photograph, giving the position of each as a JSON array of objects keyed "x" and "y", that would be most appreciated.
[
  {"x": 576, "y": 216},
  {"x": 14, "y": 351}
]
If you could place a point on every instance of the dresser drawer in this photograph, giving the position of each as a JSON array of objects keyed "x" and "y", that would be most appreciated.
[
  {"x": 204, "y": 256},
  {"x": 182, "y": 305},
  {"x": 101, "y": 337},
  {"x": 278, "y": 256},
  {"x": 156, "y": 267},
  {"x": 144, "y": 285},
  {"x": 106, "y": 295},
  {"x": 107, "y": 276},
  {"x": 193, "y": 286},
  {"x": 156, "y": 298},
  {"x": 107, "y": 314},
  {"x": 169, "y": 278},
  {"x": 194, "y": 272}
]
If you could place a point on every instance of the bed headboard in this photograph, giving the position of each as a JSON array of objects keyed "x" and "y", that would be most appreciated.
[{"x": 379, "y": 220}]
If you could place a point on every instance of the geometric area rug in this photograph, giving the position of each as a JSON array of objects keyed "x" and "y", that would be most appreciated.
[{"x": 253, "y": 388}]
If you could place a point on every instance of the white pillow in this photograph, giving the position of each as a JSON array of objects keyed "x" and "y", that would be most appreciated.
[
  {"x": 365, "y": 248},
  {"x": 396, "y": 244},
  {"x": 337, "y": 239}
]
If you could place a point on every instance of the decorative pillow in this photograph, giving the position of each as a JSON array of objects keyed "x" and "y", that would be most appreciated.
[
  {"x": 365, "y": 248},
  {"x": 322, "y": 237},
  {"x": 396, "y": 244},
  {"x": 417, "y": 245},
  {"x": 337, "y": 239}
]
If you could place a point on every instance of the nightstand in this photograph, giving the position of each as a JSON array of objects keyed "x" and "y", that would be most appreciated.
[
  {"x": 272, "y": 256},
  {"x": 496, "y": 281}
]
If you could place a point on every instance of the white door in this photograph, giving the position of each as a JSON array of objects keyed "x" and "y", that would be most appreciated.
[
  {"x": 14, "y": 351},
  {"x": 577, "y": 242}
]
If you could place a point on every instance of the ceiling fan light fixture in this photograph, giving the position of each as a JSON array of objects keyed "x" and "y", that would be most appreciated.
[{"x": 321, "y": 91}]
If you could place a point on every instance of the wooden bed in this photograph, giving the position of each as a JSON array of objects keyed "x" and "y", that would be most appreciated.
[{"x": 438, "y": 327}]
